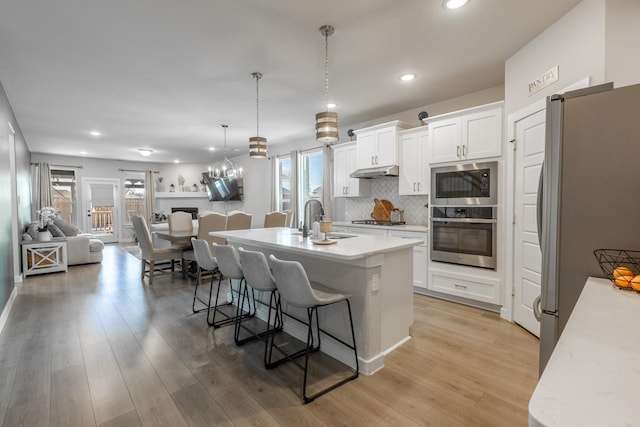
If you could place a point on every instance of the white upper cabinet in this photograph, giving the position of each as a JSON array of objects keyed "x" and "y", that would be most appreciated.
[
  {"x": 414, "y": 162},
  {"x": 470, "y": 134},
  {"x": 344, "y": 162},
  {"x": 378, "y": 145}
]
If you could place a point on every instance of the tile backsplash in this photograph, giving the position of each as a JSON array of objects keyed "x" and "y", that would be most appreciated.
[{"x": 414, "y": 208}]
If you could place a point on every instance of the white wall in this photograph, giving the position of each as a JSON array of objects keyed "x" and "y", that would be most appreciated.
[
  {"x": 575, "y": 43},
  {"x": 622, "y": 49}
]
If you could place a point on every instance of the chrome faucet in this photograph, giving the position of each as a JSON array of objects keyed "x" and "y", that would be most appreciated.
[{"x": 311, "y": 205}]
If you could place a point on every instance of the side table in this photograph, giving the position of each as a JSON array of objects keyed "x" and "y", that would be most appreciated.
[{"x": 44, "y": 257}]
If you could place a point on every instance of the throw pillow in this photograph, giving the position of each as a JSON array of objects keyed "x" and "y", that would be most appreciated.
[
  {"x": 33, "y": 230},
  {"x": 27, "y": 237},
  {"x": 55, "y": 230},
  {"x": 66, "y": 228}
]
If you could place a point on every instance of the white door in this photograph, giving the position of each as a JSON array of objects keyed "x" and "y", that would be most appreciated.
[
  {"x": 101, "y": 208},
  {"x": 530, "y": 136}
]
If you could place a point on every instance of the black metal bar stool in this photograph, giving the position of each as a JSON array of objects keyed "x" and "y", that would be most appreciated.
[
  {"x": 295, "y": 289},
  {"x": 258, "y": 277},
  {"x": 229, "y": 266},
  {"x": 206, "y": 262}
]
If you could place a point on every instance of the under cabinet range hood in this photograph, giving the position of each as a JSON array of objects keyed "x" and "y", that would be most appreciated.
[{"x": 379, "y": 172}]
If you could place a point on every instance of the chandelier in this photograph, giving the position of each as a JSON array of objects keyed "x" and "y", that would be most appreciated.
[
  {"x": 326, "y": 121},
  {"x": 257, "y": 144},
  {"x": 226, "y": 168}
]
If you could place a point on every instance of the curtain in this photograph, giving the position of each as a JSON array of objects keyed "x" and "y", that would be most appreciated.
[
  {"x": 44, "y": 186},
  {"x": 274, "y": 178},
  {"x": 149, "y": 197},
  {"x": 327, "y": 182},
  {"x": 294, "y": 188}
]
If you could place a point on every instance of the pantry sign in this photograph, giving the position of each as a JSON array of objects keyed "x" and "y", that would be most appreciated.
[{"x": 544, "y": 80}]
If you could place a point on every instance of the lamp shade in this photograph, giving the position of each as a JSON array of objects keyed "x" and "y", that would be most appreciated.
[
  {"x": 327, "y": 126},
  {"x": 257, "y": 147}
]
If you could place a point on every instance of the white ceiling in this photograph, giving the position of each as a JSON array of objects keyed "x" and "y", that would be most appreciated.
[{"x": 165, "y": 74}]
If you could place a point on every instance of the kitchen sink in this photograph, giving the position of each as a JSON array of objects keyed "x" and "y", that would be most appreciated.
[{"x": 336, "y": 236}]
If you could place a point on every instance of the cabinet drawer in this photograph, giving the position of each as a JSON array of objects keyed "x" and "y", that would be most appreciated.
[
  {"x": 408, "y": 234},
  {"x": 475, "y": 290}
]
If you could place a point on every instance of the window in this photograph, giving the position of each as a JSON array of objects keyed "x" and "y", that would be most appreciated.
[
  {"x": 283, "y": 183},
  {"x": 133, "y": 198},
  {"x": 63, "y": 193},
  {"x": 310, "y": 179}
]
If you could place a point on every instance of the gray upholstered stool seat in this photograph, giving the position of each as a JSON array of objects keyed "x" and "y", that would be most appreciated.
[{"x": 295, "y": 289}]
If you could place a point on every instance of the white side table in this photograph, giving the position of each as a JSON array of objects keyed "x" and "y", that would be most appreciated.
[{"x": 44, "y": 257}]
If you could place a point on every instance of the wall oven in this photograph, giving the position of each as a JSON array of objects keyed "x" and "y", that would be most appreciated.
[
  {"x": 465, "y": 184},
  {"x": 464, "y": 235}
]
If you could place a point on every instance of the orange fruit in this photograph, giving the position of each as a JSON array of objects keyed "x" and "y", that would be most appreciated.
[
  {"x": 622, "y": 271},
  {"x": 624, "y": 281},
  {"x": 635, "y": 283}
]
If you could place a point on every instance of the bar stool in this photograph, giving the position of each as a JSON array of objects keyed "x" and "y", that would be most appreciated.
[
  {"x": 206, "y": 262},
  {"x": 229, "y": 267},
  {"x": 295, "y": 289},
  {"x": 258, "y": 277}
]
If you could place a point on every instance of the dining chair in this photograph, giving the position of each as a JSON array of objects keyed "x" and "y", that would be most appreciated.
[
  {"x": 239, "y": 221},
  {"x": 150, "y": 254},
  {"x": 207, "y": 223},
  {"x": 181, "y": 222},
  {"x": 295, "y": 289},
  {"x": 275, "y": 219},
  {"x": 206, "y": 263}
]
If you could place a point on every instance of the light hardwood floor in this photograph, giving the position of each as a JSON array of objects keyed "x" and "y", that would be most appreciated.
[{"x": 96, "y": 346}]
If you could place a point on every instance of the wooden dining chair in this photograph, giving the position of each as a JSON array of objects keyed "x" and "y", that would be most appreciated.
[
  {"x": 150, "y": 254},
  {"x": 206, "y": 223},
  {"x": 239, "y": 221},
  {"x": 275, "y": 219}
]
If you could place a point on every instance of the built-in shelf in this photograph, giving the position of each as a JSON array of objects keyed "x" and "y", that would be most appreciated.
[{"x": 181, "y": 194}]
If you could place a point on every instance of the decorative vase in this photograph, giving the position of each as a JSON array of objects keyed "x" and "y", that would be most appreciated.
[{"x": 44, "y": 236}]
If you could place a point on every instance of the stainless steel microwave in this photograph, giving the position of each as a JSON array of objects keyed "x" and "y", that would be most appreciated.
[{"x": 465, "y": 184}]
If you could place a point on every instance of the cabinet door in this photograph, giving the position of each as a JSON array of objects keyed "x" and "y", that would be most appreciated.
[
  {"x": 367, "y": 150},
  {"x": 409, "y": 164},
  {"x": 424, "y": 174},
  {"x": 387, "y": 153},
  {"x": 482, "y": 134},
  {"x": 340, "y": 168},
  {"x": 420, "y": 267},
  {"x": 355, "y": 187},
  {"x": 444, "y": 140}
]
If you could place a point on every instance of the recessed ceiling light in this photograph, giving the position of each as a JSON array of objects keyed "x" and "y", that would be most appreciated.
[
  {"x": 145, "y": 152},
  {"x": 331, "y": 105},
  {"x": 454, "y": 4},
  {"x": 84, "y": 153},
  {"x": 407, "y": 77},
  {"x": 212, "y": 148},
  {"x": 176, "y": 161},
  {"x": 95, "y": 133}
]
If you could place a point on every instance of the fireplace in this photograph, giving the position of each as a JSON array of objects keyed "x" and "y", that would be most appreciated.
[{"x": 192, "y": 211}]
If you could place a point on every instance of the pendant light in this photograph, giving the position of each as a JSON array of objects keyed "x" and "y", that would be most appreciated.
[
  {"x": 326, "y": 121},
  {"x": 257, "y": 144},
  {"x": 226, "y": 168}
]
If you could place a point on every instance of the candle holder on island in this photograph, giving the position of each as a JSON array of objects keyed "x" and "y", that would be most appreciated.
[{"x": 325, "y": 227}]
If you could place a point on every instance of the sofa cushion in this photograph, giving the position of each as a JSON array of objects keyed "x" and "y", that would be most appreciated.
[
  {"x": 27, "y": 237},
  {"x": 66, "y": 228},
  {"x": 95, "y": 245},
  {"x": 55, "y": 230},
  {"x": 33, "y": 230}
]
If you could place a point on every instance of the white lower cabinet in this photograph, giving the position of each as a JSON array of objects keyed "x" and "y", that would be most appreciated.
[
  {"x": 477, "y": 288},
  {"x": 420, "y": 254}
]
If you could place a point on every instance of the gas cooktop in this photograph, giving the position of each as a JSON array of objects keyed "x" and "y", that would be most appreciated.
[{"x": 376, "y": 222}]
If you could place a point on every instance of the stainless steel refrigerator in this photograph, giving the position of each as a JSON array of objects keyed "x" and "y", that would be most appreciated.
[{"x": 589, "y": 197}]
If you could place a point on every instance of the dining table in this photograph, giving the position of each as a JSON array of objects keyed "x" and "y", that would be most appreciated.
[{"x": 176, "y": 236}]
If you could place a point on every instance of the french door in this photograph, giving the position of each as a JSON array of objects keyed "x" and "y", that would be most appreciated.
[{"x": 101, "y": 208}]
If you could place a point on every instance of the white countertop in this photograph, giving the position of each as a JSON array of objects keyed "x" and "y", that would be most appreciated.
[
  {"x": 593, "y": 375},
  {"x": 290, "y": 239},
  {"x": 403, "y": 227}
]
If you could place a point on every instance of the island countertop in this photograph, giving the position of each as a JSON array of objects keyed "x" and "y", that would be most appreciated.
[{"x": 289, "y": 239}]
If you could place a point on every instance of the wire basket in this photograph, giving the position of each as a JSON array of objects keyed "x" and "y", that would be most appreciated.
[{"x": 612, "y": 259}]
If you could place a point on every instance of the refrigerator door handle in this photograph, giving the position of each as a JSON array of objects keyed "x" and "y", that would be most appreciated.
[
  {"x": 539, "y": 206},
  {"x": 536, "y": 308}
]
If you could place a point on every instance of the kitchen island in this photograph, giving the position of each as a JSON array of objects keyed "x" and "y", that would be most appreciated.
[{"x": 375, "y": 270}]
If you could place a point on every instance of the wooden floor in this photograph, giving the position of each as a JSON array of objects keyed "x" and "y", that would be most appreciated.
[{"x": 96, "y": 346}]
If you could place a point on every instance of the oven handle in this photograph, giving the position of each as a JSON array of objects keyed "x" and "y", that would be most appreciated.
[{"x": 467, "y": 220}]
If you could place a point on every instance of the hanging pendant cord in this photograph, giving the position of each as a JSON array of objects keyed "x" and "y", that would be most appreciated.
[
  {"x": 326, "y": 69},
  {"x": 257, "y": 106}
]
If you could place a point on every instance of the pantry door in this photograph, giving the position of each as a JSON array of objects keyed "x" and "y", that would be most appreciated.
[{"x": 101, "y": 207}]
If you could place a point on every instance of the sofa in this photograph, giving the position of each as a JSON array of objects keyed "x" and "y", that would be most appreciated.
[{"x": 82, "y": 248}]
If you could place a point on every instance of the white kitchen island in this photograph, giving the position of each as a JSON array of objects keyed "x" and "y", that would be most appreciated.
[{"x": 375, "y": 270}]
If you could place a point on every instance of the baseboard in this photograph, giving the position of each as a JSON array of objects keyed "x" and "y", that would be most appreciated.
[{"x": 7, "y": 308}]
